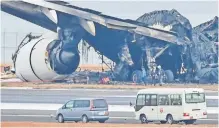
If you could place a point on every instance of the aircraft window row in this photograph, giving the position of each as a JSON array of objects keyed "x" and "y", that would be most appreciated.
[{"x": 154, "y": 100}]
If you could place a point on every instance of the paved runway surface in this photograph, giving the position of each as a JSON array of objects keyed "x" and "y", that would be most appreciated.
[
  {"x": 47, "y": 116},
  {"x": 113, "y": 97}
]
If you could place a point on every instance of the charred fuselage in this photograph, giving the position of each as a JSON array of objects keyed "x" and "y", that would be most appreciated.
[{"x": 131, "y": 45}]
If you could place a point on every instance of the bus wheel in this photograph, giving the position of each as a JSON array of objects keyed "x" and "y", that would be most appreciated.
[
  {"x": 170, "y": 119},
  {"x": 143, "y": 119},
  {"x": 189, "y": 121},
  {"x": 163, "y": 122}
]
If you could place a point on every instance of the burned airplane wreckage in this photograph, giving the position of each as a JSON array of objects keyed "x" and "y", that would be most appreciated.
[
  {"x": 205, "y": 51},
  {"x": 160, "y": 38}
]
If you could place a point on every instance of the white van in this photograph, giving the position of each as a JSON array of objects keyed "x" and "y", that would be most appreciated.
[{"x": 171, "y": 105}]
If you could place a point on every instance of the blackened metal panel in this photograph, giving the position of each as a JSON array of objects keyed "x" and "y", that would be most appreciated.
[{"x": 29, "y": 12}]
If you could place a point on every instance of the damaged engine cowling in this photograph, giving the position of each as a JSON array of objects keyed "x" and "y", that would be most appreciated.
[{"x": 46, "y": 59}]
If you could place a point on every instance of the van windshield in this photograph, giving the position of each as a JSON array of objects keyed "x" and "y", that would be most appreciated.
[
  {"x": 100, "y": 103},
  {"x": 195, "y": 97}
]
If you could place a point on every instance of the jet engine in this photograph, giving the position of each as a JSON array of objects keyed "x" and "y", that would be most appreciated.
[{"x": 45, "y": 58}]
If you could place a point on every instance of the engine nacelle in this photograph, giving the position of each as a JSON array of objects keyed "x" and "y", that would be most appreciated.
[{"x": 42, "y": 59}]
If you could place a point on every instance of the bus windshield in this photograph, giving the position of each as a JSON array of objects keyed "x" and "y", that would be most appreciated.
[{"x": 195, "y": 97}]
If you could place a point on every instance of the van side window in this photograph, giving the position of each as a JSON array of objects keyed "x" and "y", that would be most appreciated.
[
  {"x": 175, "y": 99},
  {"x": 69, "y": 104},
  {"x": 81, "y": 103},
  {"x": 100, "y": 103},
  {"x": 163, "y": 100},
  {"x": 140, "y": 100}
]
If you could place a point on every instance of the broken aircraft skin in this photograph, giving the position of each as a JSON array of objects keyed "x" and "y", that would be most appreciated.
[
  {"x": 59, "y": 57},
  {"x": 205, "y": 51},
  {"x": 132, "y": 45},
  {"x": 171, "y": 57},
  {"x": 202, "y": 67}
]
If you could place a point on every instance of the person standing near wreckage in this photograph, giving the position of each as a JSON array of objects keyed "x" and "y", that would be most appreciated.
[
  {"x": 153, "y": 74},
  {"x": 160, "y": 75},
  {"x": 157, "y": 74}
]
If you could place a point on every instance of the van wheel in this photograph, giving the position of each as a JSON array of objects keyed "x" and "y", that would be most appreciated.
[
  {"x": 170, "y": 119},
  {"x": 189, "y": 121},
  {"x": 163, "y": 122},
  {"x": 60, "y": 118},
  {"x": 143, "y": 119},
  {"x": 84, "y": 119},
  {"x": 101, "y": 121}
]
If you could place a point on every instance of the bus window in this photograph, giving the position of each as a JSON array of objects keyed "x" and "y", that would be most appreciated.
[
  {"x": 141, "y": 100},
  {"x": 175, "y": 99},
  {"x": 163, "y": 100},
  {"x": 195, "y": 98},
  {"x": 153, "y": 100},
  {"x": 147, "y": 100}
]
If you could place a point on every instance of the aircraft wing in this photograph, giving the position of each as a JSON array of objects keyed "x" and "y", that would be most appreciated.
[{"x": 43, "y": 13}]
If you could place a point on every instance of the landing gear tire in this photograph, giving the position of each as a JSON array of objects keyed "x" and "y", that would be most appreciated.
[
  {"x": 143, "y": 119},
  {"x": 170, "y": 119},
  {"x": 60, "y": 119},
  {"x": 169, "y": 76},
  {"x": 84, "y": 119},
  {"x": 137, "y": 76}
]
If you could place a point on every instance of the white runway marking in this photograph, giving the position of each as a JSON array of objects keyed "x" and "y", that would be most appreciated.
[
  {"x": 17, "y": 88},
  {"x": 212, "y": 97},
  {"x": 29, "y": 115},
  {"x": 112, "y": 108},
  {"x": 10, "y": 80}
]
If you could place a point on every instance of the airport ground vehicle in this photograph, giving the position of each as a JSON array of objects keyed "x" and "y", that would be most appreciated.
[
  {"x": 83, "y": 109},
  {"x": 171, "y": 105}
]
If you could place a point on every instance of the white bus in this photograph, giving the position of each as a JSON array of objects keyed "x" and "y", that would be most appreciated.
[{"x": 171, "y": 105}]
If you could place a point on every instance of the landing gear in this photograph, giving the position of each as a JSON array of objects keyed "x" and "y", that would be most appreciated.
[
  {"x": 169, "y": 77},
  {"x": 137, "y": 76}
]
